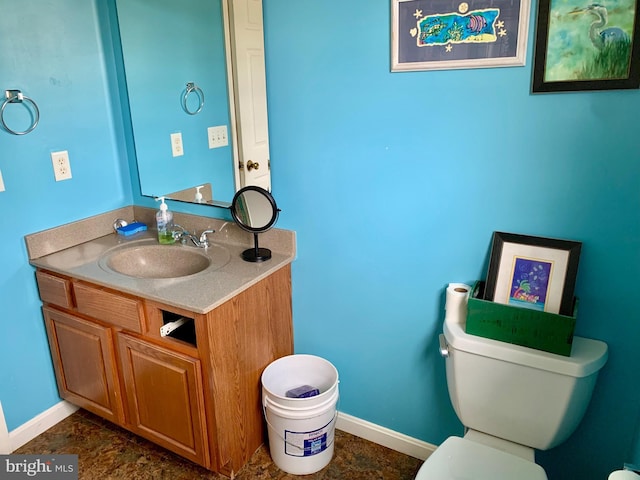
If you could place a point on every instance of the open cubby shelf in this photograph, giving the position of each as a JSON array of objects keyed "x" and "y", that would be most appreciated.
[{"x": 186, "y": 332}]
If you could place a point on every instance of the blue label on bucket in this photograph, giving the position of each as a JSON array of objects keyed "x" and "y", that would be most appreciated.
[
  {"x": 315, "y": 445},
  {"x": 306, "y": 444}
]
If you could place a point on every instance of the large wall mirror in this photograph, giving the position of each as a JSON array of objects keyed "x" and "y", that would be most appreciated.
[{"x": 184, "y": 89}]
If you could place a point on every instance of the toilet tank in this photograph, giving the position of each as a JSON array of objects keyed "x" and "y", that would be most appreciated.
[{"x": 523, "y": 395}]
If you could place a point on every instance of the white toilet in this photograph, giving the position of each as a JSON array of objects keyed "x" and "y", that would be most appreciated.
[{"x": 512, "y": 400}]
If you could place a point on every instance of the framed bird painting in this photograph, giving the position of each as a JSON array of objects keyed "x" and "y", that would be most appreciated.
[{"x": 587, "y": 46}]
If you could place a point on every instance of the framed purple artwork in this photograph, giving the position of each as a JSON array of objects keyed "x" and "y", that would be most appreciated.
[{"x": 533, "y": 272}]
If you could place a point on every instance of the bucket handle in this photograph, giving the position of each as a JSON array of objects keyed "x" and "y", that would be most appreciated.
[{"x": 264, "y": 410}]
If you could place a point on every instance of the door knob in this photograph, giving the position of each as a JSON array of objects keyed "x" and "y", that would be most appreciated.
[{"x": 252, "y": 165}]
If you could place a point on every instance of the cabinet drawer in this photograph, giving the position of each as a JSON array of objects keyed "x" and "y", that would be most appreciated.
[
  {"x": 109, "y": 307},
  {"x": 54, "y": 290}
]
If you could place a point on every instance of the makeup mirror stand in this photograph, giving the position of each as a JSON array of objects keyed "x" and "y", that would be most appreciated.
[
  {"x": 254, "y": 210},
  {"x": 256, "y": 254}
]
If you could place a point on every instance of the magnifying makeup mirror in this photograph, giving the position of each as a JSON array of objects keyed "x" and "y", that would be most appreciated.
[{"x": 254, "y": 210}]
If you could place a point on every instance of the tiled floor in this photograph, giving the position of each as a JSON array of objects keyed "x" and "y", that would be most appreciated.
[{"x": 109, "y": 452}]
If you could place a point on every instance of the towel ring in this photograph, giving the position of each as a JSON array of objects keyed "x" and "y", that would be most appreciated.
[
  {"x": 193, "y": 88},
  {"x": 16, "y": 96}
]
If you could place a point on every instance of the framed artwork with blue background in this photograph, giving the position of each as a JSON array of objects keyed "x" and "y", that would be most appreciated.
[
  {"x": 587, "y": 46},
  {"x": 450, "y": 34},
  {"x": 533, "y": 272}
]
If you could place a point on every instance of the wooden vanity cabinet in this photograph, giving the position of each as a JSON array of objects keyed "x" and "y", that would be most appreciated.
[
  {"x": 200, "y": 397},
  {"x": 237, "y": 341}
]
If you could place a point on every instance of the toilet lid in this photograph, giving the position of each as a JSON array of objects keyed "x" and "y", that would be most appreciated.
[{"x": 461, "y": 459}]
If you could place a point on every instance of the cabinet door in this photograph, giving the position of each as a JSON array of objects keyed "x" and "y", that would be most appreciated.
[
  {"x": 84, "y": 361},
  {"x": 164, "y": 397}
]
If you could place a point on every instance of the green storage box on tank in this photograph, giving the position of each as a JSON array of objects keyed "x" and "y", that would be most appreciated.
[{"x": 521, "y": 326}]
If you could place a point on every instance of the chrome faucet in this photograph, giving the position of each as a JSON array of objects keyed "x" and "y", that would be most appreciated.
[{"x": 183, "y": 235}]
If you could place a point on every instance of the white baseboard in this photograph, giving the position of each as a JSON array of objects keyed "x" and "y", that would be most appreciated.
[
  {"x": 39, "y": 424},
  {"x": 5, "y": 443},
  {"x": 383, "y": 436},
  {"x": 11, "y": 441}
]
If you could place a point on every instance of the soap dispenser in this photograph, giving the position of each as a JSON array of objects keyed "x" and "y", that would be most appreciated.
[
  {"x": 164, "y": 222},
  {"x": 198, "y": 198}
]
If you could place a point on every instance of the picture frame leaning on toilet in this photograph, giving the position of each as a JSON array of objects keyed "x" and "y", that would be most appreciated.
[{"x": 533, "y": 272}]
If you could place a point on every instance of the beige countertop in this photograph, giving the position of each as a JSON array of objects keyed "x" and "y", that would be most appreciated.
[{"x": 228, "y": 275}]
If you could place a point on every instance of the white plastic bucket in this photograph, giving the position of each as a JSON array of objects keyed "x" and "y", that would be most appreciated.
[{"x": 301, "y": 430}]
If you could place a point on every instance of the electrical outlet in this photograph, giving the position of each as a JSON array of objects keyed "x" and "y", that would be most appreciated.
[
  {"x": 218, "y": 136},
  {"x": 61, "y": 165},
  {"x": 176, "y": 144},
  {"x": 1, "y": 183}
]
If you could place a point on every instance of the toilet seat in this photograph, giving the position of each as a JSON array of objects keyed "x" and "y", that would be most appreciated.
[{"x": 461, "y": 459}]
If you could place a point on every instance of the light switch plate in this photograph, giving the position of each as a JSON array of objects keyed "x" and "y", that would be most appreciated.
[{"x": 218, "y": 136}]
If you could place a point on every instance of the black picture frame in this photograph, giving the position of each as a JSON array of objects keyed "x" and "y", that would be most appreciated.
[
  {"x": 566, "y": 56},
  {"x": 551, "y": 277}
]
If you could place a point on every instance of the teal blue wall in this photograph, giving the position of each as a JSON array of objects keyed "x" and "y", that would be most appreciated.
[
  {"x": 392, "y": 193},
  {"x": 395, "y": 182},
  {"x": 633, "y": 459},
  {"x": 52, "y": 51}
]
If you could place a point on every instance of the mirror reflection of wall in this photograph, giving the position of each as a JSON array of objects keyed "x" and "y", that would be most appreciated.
[
  {"x": 165, "y": 45},
  {"x": 198, "y": 194},
  {"x": 254, "y": 209}
]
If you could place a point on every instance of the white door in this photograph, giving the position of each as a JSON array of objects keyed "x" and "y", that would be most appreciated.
[{"x": 247, "y": 39}]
